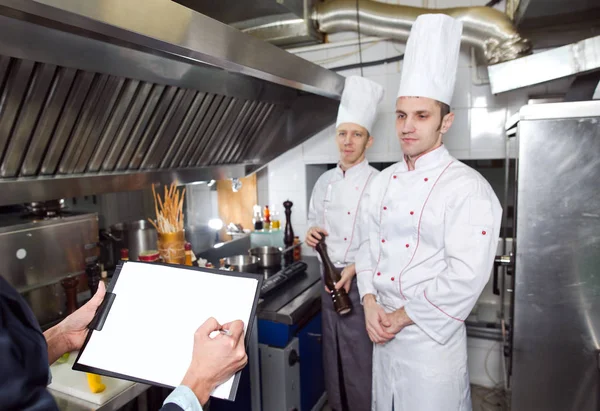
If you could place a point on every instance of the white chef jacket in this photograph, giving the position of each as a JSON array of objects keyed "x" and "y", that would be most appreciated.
[
  {"x": 430, "y": 240},
  {"x": 334, "y": 206}
]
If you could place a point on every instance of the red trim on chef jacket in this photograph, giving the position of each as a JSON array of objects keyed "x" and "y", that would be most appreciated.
[
  {"x": 419, "y": 230},
  {"x": 454, "y": 318}
]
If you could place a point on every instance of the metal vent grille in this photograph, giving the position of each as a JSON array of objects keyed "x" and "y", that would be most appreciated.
[{"x": 61, "y": 121}]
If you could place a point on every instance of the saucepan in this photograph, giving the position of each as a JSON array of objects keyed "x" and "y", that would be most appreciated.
[
  {"x": 270, "y": 257},
  {"x": 242, "y": 263}
]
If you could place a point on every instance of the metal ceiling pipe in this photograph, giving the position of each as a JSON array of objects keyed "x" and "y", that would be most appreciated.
[{"x": 485, "y": 28}]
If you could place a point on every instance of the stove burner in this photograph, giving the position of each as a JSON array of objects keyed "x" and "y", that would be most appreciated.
[{"x": 44, "y": 210}]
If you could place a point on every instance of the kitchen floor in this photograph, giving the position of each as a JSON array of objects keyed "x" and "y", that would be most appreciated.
[{"x": 484, "y": 399}]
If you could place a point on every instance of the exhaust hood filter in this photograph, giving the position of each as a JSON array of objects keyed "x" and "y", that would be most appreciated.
[{"x": 102, "y": 96}]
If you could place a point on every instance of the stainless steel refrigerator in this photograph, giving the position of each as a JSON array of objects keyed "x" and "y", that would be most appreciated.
[{"x": 556, "y": 339}]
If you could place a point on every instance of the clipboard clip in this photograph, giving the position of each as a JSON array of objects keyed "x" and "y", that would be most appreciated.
[{"x": 102, "y": 313}]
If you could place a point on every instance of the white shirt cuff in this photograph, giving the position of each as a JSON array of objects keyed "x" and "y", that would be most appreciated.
[{"x": 185, "y": 398}]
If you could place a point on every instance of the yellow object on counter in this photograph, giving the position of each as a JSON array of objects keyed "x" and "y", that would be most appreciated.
[
  {"x": 63, "y": 358},
  {"x": 95, "y": 383}
]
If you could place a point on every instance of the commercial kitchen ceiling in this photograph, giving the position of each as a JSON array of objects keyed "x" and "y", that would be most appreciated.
[{"x": 235, "y": 11}]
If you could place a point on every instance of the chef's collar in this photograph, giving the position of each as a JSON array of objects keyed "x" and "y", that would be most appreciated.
[
  {"x": 427, "y": 161},
  {"x": 352, "y": 171}
]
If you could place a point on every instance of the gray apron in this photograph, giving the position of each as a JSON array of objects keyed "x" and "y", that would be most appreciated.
[{"x": 347, "y": 355}]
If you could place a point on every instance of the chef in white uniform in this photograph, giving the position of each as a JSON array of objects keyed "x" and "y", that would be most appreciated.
[
  {"x": 333, "y": 212},
  {"x": 431, "y": 229}
]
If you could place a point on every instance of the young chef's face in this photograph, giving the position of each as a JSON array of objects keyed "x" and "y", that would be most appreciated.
[
  {"x": 352, "y": 140},
  {"x": 419, "y": 125}
]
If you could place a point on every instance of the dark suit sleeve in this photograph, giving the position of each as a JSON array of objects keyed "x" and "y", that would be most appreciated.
[
  {"x": 181, "y": 398},
  {"x": 24, "y": 356},
  {"x": 171, "y": 407}
]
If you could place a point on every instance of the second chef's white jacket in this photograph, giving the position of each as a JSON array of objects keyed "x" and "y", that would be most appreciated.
[
  {"x": 430, "y": 238},
  {"x": 334, "y": 206},
  {"x": 429, "y": 242}
]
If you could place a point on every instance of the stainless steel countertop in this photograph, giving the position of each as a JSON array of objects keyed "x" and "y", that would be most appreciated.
[
  {"x": 293, "y": 301},
  {"x": 69, "y": 403}
]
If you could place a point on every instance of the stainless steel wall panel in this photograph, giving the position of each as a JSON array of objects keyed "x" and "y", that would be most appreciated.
[
  {"x": 39, "y": 242},
  {"x": 48, "y": 122},
  {"x": 31, "y": 108},
  {"x": 75, "y": 100},
  {"x": 44, "y": 259}
]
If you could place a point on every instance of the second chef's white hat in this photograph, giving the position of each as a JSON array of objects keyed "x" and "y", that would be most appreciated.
[
  {"x": 359, "y": 103},
  {"x": 431, "y": 58}
]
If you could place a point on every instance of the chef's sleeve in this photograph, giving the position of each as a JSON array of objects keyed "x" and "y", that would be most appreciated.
[
  {"x": 471, "y": 231},
  {"x": 364, "y": 260}
]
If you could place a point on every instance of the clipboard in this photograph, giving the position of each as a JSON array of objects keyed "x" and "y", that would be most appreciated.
[{"x": 144, "y": 329}]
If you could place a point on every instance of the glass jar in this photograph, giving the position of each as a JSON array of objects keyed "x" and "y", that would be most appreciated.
[
  {"x": 275, "y": 224},
  {"x": 172, "y": 247}
]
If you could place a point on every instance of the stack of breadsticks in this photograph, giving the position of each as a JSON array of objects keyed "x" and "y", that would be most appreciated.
[{"x": 169, "y": 212}]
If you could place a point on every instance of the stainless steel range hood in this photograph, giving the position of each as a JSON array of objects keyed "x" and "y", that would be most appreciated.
[{"x": 112, "y": 95}]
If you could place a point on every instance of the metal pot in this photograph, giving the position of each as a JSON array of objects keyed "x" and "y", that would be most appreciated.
[
  {"x": 268, "y": 257},
  {"x": 242, "y": 263},
  {"x": 137, "y": 236}
]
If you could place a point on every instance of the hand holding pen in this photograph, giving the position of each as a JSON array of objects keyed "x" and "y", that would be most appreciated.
[{"x": 215, "y": 360}]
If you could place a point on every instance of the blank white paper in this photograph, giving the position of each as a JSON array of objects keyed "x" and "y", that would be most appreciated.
[{"x": 149, "y": 331}]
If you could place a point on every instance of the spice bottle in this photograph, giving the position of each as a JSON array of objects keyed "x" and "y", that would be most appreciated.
[{"x": 188, "y": 254}]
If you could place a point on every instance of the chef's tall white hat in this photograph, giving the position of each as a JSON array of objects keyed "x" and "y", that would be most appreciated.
[
  {"x": 431, "y": 58},
  {"x": 359, "y": 103}
]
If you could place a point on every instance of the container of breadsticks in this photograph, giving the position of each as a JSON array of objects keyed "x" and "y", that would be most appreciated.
[{"x": 169, "y": 224}]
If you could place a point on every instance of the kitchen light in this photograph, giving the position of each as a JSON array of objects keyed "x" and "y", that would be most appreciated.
[{"x": 215, "y": 223}]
